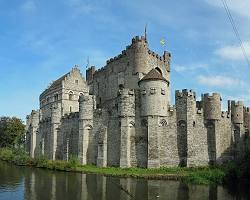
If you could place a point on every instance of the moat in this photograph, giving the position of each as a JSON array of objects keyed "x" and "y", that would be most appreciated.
[{"x": 17, "y": 183}]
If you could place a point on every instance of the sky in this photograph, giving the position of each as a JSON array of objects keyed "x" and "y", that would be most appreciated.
[{"x": 42, "y": 40}]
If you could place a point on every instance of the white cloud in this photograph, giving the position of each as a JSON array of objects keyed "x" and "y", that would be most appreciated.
[
  {"x": 191, "y": 67},
  {"x": 240, "y": 7},
  {"x": 220, "y": 81},
  {"x": 29, "y": 6},
  {"x": 233, "y": 52}
]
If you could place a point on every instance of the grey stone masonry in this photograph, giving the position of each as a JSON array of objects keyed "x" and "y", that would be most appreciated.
[{"x": 121, "y": 115}]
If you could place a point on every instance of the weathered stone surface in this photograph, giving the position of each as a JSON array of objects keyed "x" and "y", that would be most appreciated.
[{"x": 122, "y": 116}]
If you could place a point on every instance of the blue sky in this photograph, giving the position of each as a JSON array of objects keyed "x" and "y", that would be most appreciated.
[{"x": 42, "y": 40}]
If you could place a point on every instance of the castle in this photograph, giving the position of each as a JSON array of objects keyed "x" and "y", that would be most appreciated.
[{"x": 121, "y": 115}]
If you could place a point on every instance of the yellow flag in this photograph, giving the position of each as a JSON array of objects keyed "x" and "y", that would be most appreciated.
[{"x": 162, "y": 42}]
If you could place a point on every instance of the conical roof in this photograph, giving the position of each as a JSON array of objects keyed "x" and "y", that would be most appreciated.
[{"x": 154, "y": 74}]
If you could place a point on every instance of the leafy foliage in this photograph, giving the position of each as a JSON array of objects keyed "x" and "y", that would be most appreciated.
[{"x": 12, "y": 132}]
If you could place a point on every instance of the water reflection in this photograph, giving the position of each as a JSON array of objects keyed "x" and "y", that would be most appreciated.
[{"x": 36, "y": 184}]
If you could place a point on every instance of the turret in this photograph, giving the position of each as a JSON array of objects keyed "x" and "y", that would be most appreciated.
[
  {"x": 237, "y": 112},
  {"x": 90, "y": 74},
  {"x": 212, "y": 106},
  {"x": 186, "y": 119},
  {"x": 87, "y": 144},
  {"x": 140, "y": 48},
  {"x": 86, "y": 106},
  {"x": 126, "y": 113},
  {"x": 247, "y": 117},
  {"x": 31, "y": 134},
  {"x": 55, "y": 123},
  {"x": 154, "y": 94},
  {"x": 126, "y": 103}
]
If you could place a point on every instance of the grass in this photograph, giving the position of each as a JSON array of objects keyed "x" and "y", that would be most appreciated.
[{"x": 198, "y": 175}]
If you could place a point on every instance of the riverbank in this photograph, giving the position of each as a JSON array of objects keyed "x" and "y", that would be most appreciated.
[{"x": 198, "y": 175}]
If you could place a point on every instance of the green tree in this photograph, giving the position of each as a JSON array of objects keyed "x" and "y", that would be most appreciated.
[{"x": 12, "y": 132}]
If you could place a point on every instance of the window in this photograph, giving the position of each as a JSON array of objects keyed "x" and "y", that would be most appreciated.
[
  {"x": 47, "y": 99},
  {"x": 70, "y": 95},
  {"x": 56, "y": 97},
  {"x": 163, "y": 92},
  {"x": 152, "y": 90},
  {"x": 76, "y": 82},
  {"x": 70, "y": 109}
]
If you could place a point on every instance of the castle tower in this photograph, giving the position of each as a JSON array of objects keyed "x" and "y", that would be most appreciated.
[
  {"x": 237, "y": 116},
  {"x": 140, "y": 49},
  {"x": 32, "y": 125},
  {"x": 186, "y": 118},
  {"x": 126, "y": 112},
  {"x": 55, "y": 123},
  {"x": 86, "y": 145},
  {"x": 154, "y": 104},
  {"x": 212, "y": 115}
]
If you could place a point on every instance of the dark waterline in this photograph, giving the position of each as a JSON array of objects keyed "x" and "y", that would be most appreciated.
[{"x": 17, "y": 183}]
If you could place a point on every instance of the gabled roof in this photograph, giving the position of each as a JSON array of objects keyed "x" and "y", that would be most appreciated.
[
  {"x": 154, "y": 74},
  {"x": 58, "y": 81}
]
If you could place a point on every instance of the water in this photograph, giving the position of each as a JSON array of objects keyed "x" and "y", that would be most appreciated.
[{"x": 35, "y": 184}]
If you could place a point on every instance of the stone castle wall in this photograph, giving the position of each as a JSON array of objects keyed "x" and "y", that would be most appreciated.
[{"x": 122, "y": 116}]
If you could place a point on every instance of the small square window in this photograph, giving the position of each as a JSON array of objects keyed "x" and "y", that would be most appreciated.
[{"x": 152, "y": 90}]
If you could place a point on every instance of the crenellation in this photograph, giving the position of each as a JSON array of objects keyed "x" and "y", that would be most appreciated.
[{"x": 121, "y": 115}]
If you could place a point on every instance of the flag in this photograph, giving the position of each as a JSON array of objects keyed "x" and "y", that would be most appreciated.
[{"x": 162, "y": 42}]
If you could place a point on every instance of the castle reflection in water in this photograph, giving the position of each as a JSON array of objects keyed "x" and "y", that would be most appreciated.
[{"x": 62, "y": 185}]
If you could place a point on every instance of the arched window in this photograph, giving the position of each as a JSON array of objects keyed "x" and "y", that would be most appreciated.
[
  {"x": 71, "y": 95},
  {"x": 163, "y": 122}
]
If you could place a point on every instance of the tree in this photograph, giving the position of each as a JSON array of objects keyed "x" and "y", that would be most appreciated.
[{"x": 12, "y": 132}]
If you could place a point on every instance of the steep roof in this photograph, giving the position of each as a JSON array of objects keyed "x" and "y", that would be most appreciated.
[
  {"x": 58, "y": 81},
  {"x": 154, "y": 74}
]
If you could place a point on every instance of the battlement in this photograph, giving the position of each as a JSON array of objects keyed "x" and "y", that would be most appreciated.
[
  {"x": 139, "y": 39},
  {"x": 246, "y": 109},
  {"x": 237, "y": 103},
  {"x": 185, "y": 93}
]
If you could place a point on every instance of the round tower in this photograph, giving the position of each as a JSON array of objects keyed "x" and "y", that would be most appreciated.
[
  {"x": 237, "y": 112},
  {"x": 140, "y": 49},
  {"x": 212, "y": 106},
  {"x": 86, "y": 106},
  {"x": 154, "y": 94}
]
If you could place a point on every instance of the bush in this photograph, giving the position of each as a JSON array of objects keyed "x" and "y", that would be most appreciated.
[
  {"x": 73, "y": 161},
  {"x": 6, "y": 154}
]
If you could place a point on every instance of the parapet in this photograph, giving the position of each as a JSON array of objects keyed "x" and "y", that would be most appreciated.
[
  {"x": 139, "y": 39},
  {"x": 237, "y": 112},
  {"x": 212, "y": 106},
  {"x": 185, "y": 93}
]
